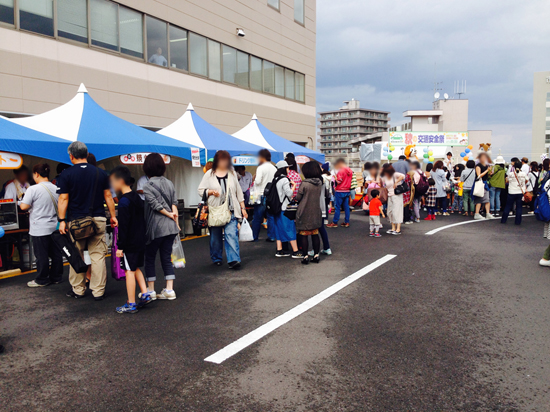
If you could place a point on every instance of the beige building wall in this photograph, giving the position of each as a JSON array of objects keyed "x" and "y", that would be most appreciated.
[
  {"x": 455, "y": 115},
  {"x": 541, "y": 101},
  {"x": 38, "y": 73}
]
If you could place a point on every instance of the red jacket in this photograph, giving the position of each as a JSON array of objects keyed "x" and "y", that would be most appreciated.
[{"x": 343, "y": 180}]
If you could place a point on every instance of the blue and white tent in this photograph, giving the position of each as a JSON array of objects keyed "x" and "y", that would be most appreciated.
[
  {"x": 195, "y": 131},
  {"x": 105, "y": 134},
  {"x": 256, "y": 133},
  {"x": 18, "y": 139}
]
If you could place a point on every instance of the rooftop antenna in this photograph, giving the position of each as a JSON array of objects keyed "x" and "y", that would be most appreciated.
[
  {"x": 460, "y": 88},
  {"x": 437, "y": 85}
]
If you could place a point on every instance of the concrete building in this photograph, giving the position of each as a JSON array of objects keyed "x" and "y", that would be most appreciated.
[
  {"x": 541, "y": 115},
  {"x": 447, "y": 119},
  {"x": 339, "y": 127},
  {"x": 146, "y": 60}
]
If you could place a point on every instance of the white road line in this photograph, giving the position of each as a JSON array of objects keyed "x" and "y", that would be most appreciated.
[
  {"x": 439, "y": 229},
  {"x": 270, "y": 326}
]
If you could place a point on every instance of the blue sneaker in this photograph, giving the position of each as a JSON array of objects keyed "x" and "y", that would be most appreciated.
[
  {"x": 127, "y": 308},
  {"x": 144, "y": 299}
]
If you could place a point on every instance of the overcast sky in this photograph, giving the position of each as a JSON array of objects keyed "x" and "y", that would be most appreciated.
[{"x": 383, "y": 53}]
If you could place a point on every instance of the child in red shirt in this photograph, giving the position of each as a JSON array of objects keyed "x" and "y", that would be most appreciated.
[{"x": 375, "y": 210}]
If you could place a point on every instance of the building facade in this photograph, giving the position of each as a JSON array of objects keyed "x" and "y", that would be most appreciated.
[
  {"x": 145, "y": 60},
  {"x": 339, "y": 127},
  {"x": 541, "y": 115},
  {"x": 445, "y": 116}
]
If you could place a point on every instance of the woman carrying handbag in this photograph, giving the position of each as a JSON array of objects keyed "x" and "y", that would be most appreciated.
[
  {"x": 516, "y": 191},
  {"x": 226, "y": 209}
]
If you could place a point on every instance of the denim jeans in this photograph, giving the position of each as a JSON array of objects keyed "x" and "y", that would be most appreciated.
[
  {"x": 163, "y": 245},
  {"x": 231, "y": 234},
  {"x": 513, "y": 199},
  {"x": 494, "y": 198},
  {"x": 457, "y": 203},
  {"x": 339, "y": 198},
  {"x": 324, "y": 237},
  {"x": 442, "y": 203},
  {"x": 468, "y": 201},
  {"x": 259, "y": 214}
]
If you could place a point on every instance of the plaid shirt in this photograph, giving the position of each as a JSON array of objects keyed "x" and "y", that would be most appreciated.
[
  {"x": 431, "y": 197},
  {"x": 407, "y": 195},
  {"x": 295, "y": 177}
]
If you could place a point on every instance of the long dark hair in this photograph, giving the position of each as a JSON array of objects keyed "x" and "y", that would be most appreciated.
[
  {"x": 388, "y": 171},
  {"x": 219, "y": 156},
  {"x": 438, "y": 165},
  {"x": 312, "y": 170},
  {"x": 546, "y": 164},
  {"x": 281, "y": 172}
]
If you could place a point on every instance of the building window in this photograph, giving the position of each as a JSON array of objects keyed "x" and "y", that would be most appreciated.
[
  {"x": 104, "y": 24},
  {"x": 72, "y": 19},
  {"x": 197, "y": 54},
  {"x": 178, "y": 48},
  {"x": 279, "y": 81},
  {"x": 548, "y": 97},
  {"x": 274, "y": 3},
  {"x": 214, "y": 60},
  {"x": 269, "y": 77},
  {"x": 299, "y": 11},
  {"x": 289, "y": 84},
  {"x": 548, "y": 112},
  {"x": 229, "y": 64},
  {"x": 300, "y": 87},
  {"x": 36, "y": 16},
  {"x": 255, "y": 73},
  {"x": 547, "y": 138},
  {"x": 241, "y": 78},
  {"x": 6, "y": 11},
  {"x": 131, "y": 32},
  {"x": 157, "y": 42}
]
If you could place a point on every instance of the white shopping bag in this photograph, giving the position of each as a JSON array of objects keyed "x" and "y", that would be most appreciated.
[{"x": 245, "y": 234}]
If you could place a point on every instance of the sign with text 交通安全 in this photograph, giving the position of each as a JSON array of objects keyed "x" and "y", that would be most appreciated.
[
  {"x": 244, "y": 161},
  {"x": 429, "y": 138},
  {"x": 139, "y": 158}
]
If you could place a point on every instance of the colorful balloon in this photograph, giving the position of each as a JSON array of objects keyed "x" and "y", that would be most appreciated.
[
  {"x": 390, "y": 157},
  {"x": 466, "y": 158},
  {"x": 431, "y": 153},
  {"x": 471, "y": 147},
  {"x": 426, "y": 155},
  {"x": 467, "y": 150},
  {"x": 462, "y": 154},
  {"x": 426, "y": 150},
  {"x": 2, "y": 231},
  {"x": 392, "y": 148},
  {"x": 432, "y": 158}
]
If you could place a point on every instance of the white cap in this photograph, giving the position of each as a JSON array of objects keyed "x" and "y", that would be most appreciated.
[
  {"x": 499, "y": 160},
  {"x": 281, "y": 164}
]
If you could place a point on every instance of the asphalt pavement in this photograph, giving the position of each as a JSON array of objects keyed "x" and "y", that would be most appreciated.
[{"x": 456, "y": 321}]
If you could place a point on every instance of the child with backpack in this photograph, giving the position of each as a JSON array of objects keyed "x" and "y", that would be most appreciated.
[
  {"x": 131, "y": 238},
  {"x": 420, "y": 187},
  {"x": 431, "y": 201}
]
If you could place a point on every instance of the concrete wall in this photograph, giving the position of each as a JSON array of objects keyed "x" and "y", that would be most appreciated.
[
  {"x": 455, "y": 115},
  {"x": 39, "y": 73},
  {"x": 420, "y": 124},
  {"x": 540, "y": 89}
]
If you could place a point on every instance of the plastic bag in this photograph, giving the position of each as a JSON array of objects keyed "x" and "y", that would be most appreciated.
[
  {"x": 245, "y": 234},
  {"x": 178, "y": 257}
]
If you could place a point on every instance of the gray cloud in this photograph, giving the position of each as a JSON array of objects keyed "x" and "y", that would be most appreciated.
[{"x": 383, "y": 53}]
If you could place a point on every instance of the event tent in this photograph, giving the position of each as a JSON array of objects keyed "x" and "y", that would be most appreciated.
[
  {"x": 195, "y": 131},
  {"x": 105, "y": 134},
  {"x": 18, "y": 139},
  {"x": 256, "y": 133}
]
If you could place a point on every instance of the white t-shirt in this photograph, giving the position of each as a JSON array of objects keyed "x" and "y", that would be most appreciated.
[
  {"x": 43, "y": 219},
  {"x": 264, "y": 175},
  {"x": 142, "y": 181},
  {"x": 11, "y": 190},
  {"x": 525, "y": 168}
]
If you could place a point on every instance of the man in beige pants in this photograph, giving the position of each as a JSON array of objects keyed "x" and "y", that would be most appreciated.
[{"x": 77, "y": 199}]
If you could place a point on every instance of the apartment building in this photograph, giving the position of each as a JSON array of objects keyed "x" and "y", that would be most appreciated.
[
  {"x": 338, "y": 128},
  {"x": 145, "y": 60},
  {"x": 541, "y": 115}
]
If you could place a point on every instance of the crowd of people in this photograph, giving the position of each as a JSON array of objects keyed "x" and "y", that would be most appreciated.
[{"x": 293, "y": 204}]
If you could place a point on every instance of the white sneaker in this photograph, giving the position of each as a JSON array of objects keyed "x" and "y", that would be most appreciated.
[
  {"x": 390, "y": 232},
  {"x": 490, "y": 216},
  {"x": 327, "y": 252},
  {"x": 166, "y": 295},
  {"x": 543, "y": 262},
  {"x": 477, "y": 216},
  {"x": 33, "y": 284},
  {"x": 153, "y": 295},
  {"x": 311, "y": 253},
  {"x": 409, "y": 222}
]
